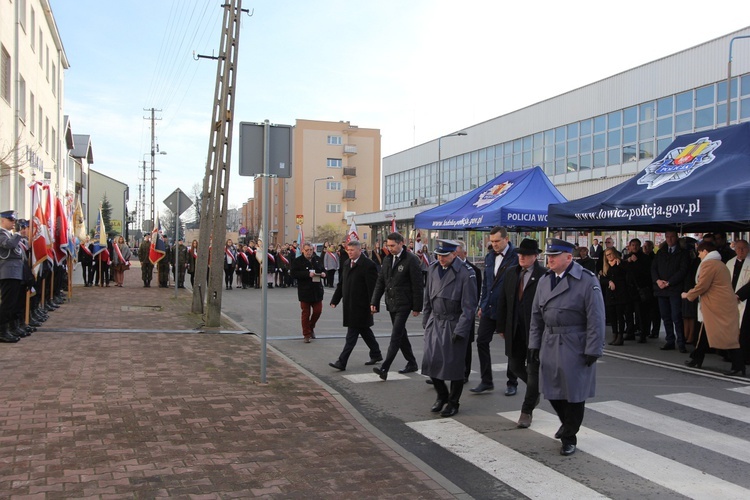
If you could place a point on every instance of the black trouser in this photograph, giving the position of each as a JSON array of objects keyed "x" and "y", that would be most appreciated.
[
  {"x": 454, "y": 396},
  {"x": 529, "y": 373},
  {"x": 702, "y": 347},
  {"x": 644, "y": 314},
  {"x": 571, "y": 416},
  {"x": 86, "y": 273},
  {"x": 330, "y": 275},
  {"x": 352, "y": 335},
  {"x": 485, "y": 334},
  {"x": 399, "y": 341},
  {"x": 617, "y": 317},
  {"x": 10, "y": 300}
]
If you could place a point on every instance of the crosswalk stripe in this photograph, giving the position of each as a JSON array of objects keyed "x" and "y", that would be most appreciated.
[
  {"x": 361, "y": 378},
  {"x": 709, "y": 405},
  {"x": 718, "y": 442},
  {"x": 524, "y": 474},
  {"x": 499, "y": 367},
  {"x": 741, "y": 390},
  {"x": 670, "y": 474}
]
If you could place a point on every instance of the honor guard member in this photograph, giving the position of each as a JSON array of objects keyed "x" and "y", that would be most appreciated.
[
  {"x": 11, "y": 276},
  {"x": 147, "y": 268},
  {"x": 567, "y": 337},
  {"x": 450, "y": 303},
  {"x": 182, "y": 255}
]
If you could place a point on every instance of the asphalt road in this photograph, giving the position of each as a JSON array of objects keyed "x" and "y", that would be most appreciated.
[{"x": 642, "y": 435}]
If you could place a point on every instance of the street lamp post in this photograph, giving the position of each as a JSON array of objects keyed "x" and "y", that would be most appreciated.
[
  {"x": 440, "y": 167},
  {"x": 729, "y": 78},
  {"x": 315, "y": 183}
]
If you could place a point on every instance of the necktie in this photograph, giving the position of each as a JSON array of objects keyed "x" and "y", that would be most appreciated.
[
  {"x": 520, "y": 283},
  {"x": 671, "y": 250},
  {"x": 351, "y": 264}
]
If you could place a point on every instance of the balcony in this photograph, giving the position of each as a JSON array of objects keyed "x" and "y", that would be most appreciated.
[
  {"x": 350, "y": 149},
  {"x": 350, "y": 172},
  {"x": 349, "y": 195}
]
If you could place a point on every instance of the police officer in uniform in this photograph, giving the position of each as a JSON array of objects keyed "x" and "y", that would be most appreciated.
[
  {"x": 567, "y": 337},
  {"x": 11, "y": 276},
  {"x": 450, "y": 303}
]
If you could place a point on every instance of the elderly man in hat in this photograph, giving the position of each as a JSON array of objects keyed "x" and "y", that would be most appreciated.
[
  {"x": 567, "y": 337},
  {"x": 11, "y": 277},
  {"x": 450, "y": 302},
  {"x": 514, "y": 320}
]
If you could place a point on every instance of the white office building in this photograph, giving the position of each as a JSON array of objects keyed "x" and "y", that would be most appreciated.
[{"x": 587, "y": 140}]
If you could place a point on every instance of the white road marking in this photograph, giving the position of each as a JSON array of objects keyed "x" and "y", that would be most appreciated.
[
  {"x": 524, "y": 474},
  {"x": 741, "y": 390},
  {"x": 724, "y": 444},
  {"x": 361, "y": 378},
  {"x": 670, "y": 474},
  {"x": 709, "y": 405}
]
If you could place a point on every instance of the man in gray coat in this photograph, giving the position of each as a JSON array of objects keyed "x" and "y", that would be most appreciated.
[
  {"x": 567, "y": 337},
  {"x": 11, "y": 276},
  {"x": 450, "y": 302}
]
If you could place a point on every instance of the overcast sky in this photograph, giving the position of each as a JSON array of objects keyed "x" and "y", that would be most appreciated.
[{"x": 415, "y": 69}]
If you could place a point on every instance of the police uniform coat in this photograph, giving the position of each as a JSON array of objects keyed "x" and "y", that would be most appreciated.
[
  {"x": 567, "y": 324},
  {"x": 356, "y": 287},
  {"x": 450, "y": 304},
  {"x": 11, "y": 256}
]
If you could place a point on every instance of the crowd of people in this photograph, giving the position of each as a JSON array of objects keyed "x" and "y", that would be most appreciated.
[{"x": 26, "y": 297}]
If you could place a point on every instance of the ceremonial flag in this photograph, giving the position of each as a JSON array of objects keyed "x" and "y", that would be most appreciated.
[
  {"x": 49, "y": 220},
  {"x": 260, "y": 249},
  {"x": 300, "y": 239},
  {"x": 158, "y": 248},
  {"x": 393, "y": 225},
  {"x": 79, "y": 223},
  {"x": 62, "y": 242},
  {"x": 352, "y": 234},
  {"x": 39, "y": 230},
  {"x": 100, "y": 235},
  {"x": 418, "y": 243}
]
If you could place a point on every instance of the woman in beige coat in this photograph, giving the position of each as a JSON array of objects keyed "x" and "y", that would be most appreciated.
[{"x": 718, "y": 306}]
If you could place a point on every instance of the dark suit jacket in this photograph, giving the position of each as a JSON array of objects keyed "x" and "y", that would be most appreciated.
[
  {"x": 356, "y": 287},
  {"x": 507, "y": 316},
  {"x": 596, "y": 253},
  {"x": 401, "y": 283}
]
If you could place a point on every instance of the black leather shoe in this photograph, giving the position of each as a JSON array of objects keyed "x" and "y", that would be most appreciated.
[
  {"x": 429, "y": 381},
  {"x": 667, "y": 347},
  {"x": 567, "y": 450},
  {"x": 682, "y": 349},
  {"x": 559, "y": 432},
  {"x": 482, "y": 387},
  {"x": 383, "y": 374},
  {"x": 409, "y": 369},
  {"x": 8, "y": 338},
  {"x": 438, "y": 406},
  {"x": 449, "y": 410},
  {"x": 735, "y": 373},
  {"x": 693, "y": 363},
  {"x": 653, "y": 336},
  {"x": 511, "y": 390},
  {"x": 373, "y": 361},
  {"x": 337, "y": 365}
]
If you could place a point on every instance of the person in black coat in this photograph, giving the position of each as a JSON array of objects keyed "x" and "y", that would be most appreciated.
[
  {"x": 668, "y": 271},
  {"x": 400, "y": 279},
  {"x": 616, "y": 294},
  {"x": 638, "y": 274},
  {"x": 514, "y": 319},
  {"x": 308, "y": 270},
  {"x": 356, "y": 285},
  {"x": 86, "y": 259}
]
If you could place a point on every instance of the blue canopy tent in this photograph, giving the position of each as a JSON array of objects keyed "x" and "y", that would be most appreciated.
[
  {"x": 701, "y": 182},
  {"x": 518, "y": 199}
]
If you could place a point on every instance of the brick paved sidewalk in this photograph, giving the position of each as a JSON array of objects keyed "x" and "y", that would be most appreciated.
[{"x": 107, "y": 414}]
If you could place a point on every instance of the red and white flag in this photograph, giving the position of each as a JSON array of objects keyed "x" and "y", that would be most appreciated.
[
  {"x": 352, "y": 234},
  {"x": 418, "y": 242},
  {"x": 39, "y": 228},
  {"x": 393, "y": 225}
]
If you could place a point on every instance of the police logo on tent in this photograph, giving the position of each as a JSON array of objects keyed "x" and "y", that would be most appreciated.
[
  {"x": 679, "y": 163},
  {"x": 492, "y": 194}
]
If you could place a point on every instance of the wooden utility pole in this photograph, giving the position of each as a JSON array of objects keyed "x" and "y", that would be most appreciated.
[{"x": 216, "y": 181}]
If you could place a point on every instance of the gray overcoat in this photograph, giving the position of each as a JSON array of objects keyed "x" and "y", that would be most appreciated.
[
  {"x": 11, "y": 256},
  {"x": 449, "y": 307},
  {"x": 567, "y": 324}
]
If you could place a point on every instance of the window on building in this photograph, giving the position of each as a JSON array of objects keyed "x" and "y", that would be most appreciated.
[
  {"x": 32, "y": 114},
  {"x": 54, "y": 79},
  {"x": 630, "y": 115},
  {"x": 334, "y": 140},
  {"x": 664, "y": 126},
  {"x": 5, "y": 75},
  {"x": 334, "y": 208},
  {"x": 334, "y": 163},
  {"x": 54, "y": 144},
  {"x": 683, "y": 123},
  {"x": 664, "y": 106},
  {"x": 333, "y": 185},
  {"x": 22, "y": 14},
  {"x": 46, "y": 58},
  {"x": 704, "y": 118},
  {"x": 41, "y": 51},
  {"x": 704, "y": 96},
  {"x": 684, "y": 101},
  {"x": 22, "y": 98},
  {"x": 46, "y": 135},
  {"x": 40, "y": 124},
  {"x": 32, "y": 30}
]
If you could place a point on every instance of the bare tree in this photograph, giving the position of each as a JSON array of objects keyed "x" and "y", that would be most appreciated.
[
  {"x": 8, "y": 152},
  {"x": 195, "y": 210}
]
